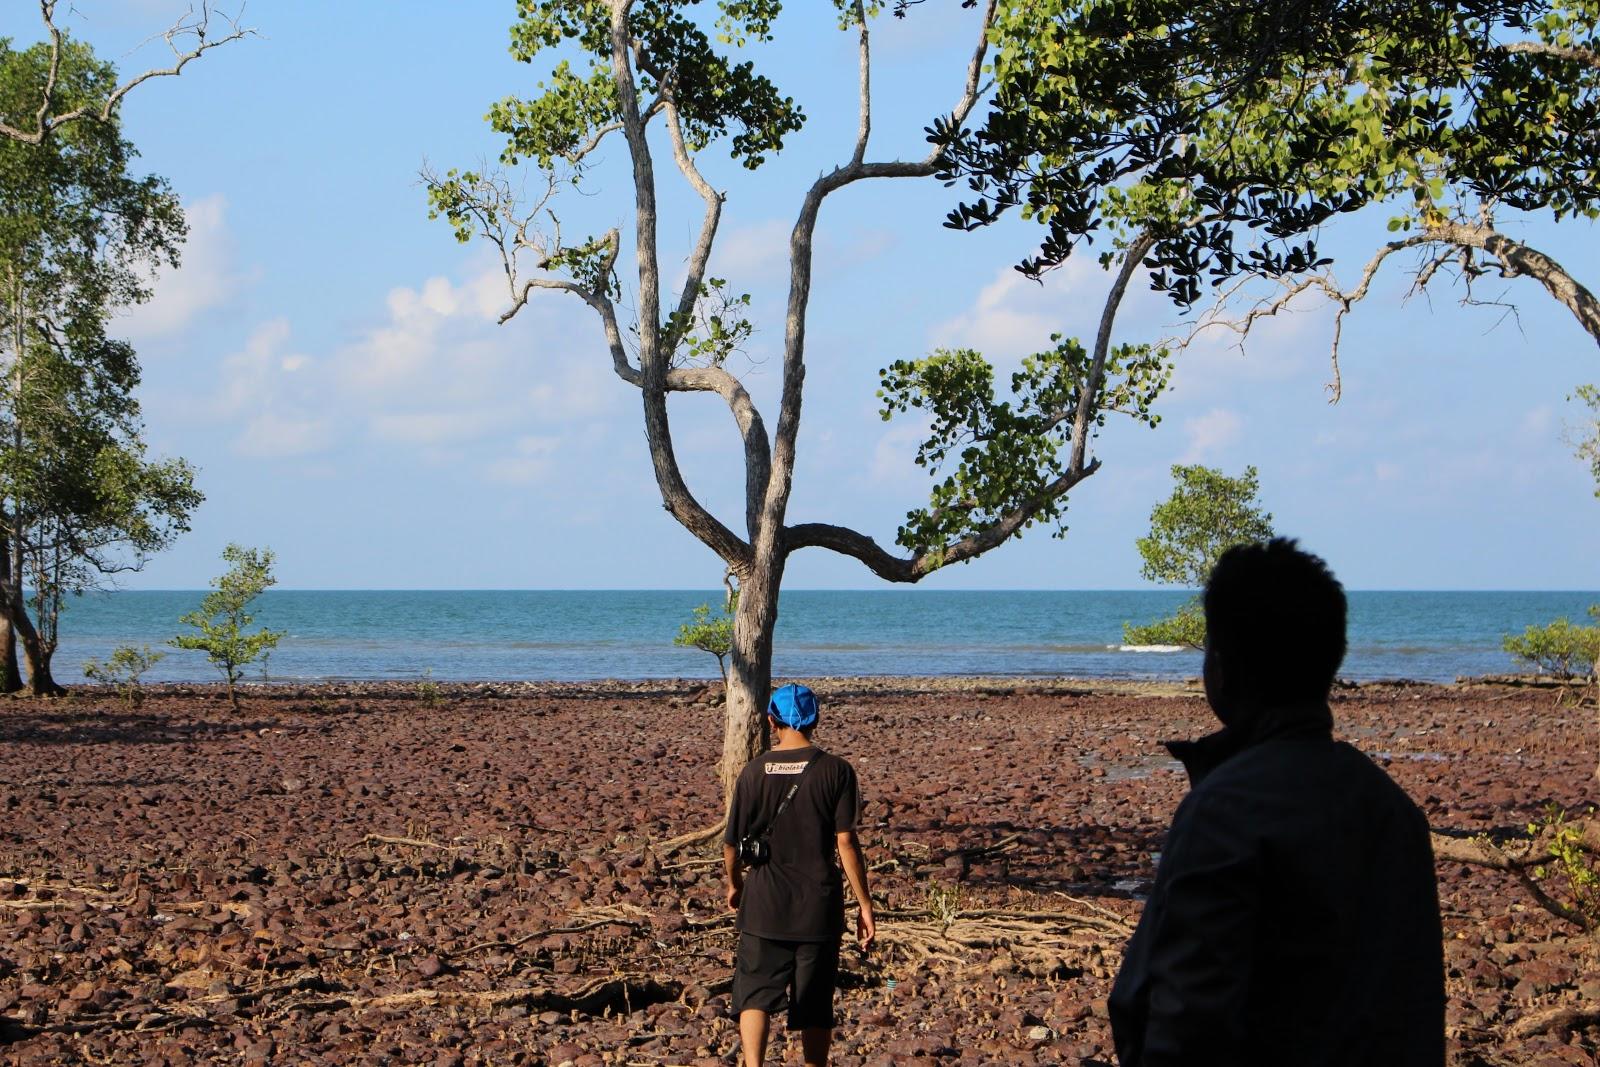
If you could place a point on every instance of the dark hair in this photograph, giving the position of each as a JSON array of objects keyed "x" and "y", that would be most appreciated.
[{"x": 1275, "y": 619}]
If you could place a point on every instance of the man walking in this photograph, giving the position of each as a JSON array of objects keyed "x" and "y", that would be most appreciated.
[
  {"x": 1294, "y": 917},
  {"x": 792, "y": 808}
]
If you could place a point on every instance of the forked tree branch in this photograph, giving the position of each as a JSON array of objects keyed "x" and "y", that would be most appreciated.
[
  {"x": 45, "y": 118},
  {"x": 752, "y": 430},
  {"x": 1586, "y": 56},
  {"x": 654, "y": 358},
  {"x": 800, "y": 264},
  {"x": 920, "y": 564},
  {"x": 708, "y": 226},
  {"x": 1453, "y": 242},
  {"x": 893, "y": 568},
  {"x": 864, "y": 130},
  {"x": 1519, "y": 260}
]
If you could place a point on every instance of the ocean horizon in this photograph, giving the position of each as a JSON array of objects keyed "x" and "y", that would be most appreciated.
[{"x": 571, "y": 635}]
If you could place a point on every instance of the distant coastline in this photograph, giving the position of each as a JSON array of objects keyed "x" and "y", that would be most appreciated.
[{"x": 481, "y": 635}]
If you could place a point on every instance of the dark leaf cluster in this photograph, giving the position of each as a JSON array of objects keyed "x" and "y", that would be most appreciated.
[
  {"x": 1231, "y": 131},
  {"x": 675, "y": 58},
  {"x": 998, "y": 456}
]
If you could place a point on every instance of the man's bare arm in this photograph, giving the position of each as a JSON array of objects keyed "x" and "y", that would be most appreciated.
[
  {"x": 732, "y": 876},
  {"x": 855, "y": 869}
]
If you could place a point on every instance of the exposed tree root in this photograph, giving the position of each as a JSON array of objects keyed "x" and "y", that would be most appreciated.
[
  {"x": 590, "y": 919},
  {"x": 690, "y": 840},
  {"x": 1032, "y": 937},
  {"x": 621, "y": 993},
  {"x": 1480, "y": 851},
  {"x": 1569, "y": 1017},
  {"x": 618, "y": 994},
  {"x": 411, "y": 841}
]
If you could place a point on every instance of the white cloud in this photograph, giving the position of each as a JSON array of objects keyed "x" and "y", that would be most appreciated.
[
  {"x": 1386, "y": 471},
  {"x": 432, "y": 373},
  {"x": 578, "y": 389},
  {"x": 894, "y": 456},
  {"x": 270, "y": 435},
  {"x": 431, "y": 427},
  {"x": 1014, "y": 316},
  {"x": 1011, "y": 317},
  {"x": 1538, "y": 422},
  {"x": 442, "y": 336},
  {"x": 206, "y": 277},
  {"x": 251, "y": 377},
  {"x": 533, "y": 459},
  {"x": 755, "y": 252},
  {"x": 1210, "y": 433},
  {"x": 277, "y": 392}
]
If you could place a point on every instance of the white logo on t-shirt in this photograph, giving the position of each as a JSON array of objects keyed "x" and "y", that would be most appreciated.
[{"x": 786, "y": 768}]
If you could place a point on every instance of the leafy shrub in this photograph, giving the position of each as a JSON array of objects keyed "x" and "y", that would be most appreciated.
[
  {"x": 222, "y": 618},
  {"x": 1571, "y": 865},
  {"x": 124, "y": 669},
  {"x": 1187, "y": 627},
  {"x": 1558, "y": 648},
  {"x": 711, "y": 633},
  {"x": 428, "y": 691},
  {"x": 1208, "y": 513}
]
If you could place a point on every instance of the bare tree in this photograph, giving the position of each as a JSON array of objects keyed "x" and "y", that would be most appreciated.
[
  {"x": 1028, "y": 453},
  {"x": 1469, "y": 249},
  {"x": 189, "y": 38}
]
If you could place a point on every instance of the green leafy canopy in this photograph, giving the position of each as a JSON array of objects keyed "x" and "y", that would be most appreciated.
[
  {"x": 1002, "y": 454},
  {"x": 80, "y": 235},
  {"x": 1208, "y": 513},
  {"x": 1233, "y": 130},
  {"x": 223, "y": 618}
]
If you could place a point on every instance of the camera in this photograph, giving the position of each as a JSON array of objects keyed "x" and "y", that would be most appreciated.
[{"x": 754, "y": 851}]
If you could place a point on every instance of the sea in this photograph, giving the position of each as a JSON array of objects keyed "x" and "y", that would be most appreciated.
[{"x": 569, "y": 635}]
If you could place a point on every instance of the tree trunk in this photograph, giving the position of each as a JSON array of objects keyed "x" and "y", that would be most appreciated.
[
  {"x": 749, "y": 685},
  {"x": 35, "y": 656},
  {"x": 10, "y": 676},
  {"x": 40, "y": 681}
]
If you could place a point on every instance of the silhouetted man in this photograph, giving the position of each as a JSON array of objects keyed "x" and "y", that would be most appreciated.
[
  {"x": 1294, "y": 919},
  {"x": 793, "y": 808}
]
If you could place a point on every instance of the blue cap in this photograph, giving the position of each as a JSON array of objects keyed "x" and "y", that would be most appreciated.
[{"x": 795, "y": 706}]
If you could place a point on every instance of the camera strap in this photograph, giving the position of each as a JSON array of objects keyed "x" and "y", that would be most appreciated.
[{"x": 794, "y": 787}]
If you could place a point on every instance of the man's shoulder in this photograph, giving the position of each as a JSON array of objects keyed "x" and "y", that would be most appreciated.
[
  {"x": 781, "y": 762},
  {"x": 1308, "y": 771}
]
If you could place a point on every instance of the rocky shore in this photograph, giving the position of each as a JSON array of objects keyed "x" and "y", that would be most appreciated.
[{"x": 430, "y": 873}]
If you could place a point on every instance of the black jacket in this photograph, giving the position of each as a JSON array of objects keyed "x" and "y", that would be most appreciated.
[{"x": 1294, "y": 919}]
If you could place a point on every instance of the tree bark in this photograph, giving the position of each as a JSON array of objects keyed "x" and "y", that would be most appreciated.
[
  {"x": 40, "y": 681},
  {"x": 1517, "y": 259},
  {"x": 34, "y": 654},
  {"x": 749, "y": 683},
  {"x": 10, "y": 675}
]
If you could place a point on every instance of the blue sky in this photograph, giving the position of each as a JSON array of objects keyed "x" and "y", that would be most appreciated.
[{"x": 328, "y": 357}]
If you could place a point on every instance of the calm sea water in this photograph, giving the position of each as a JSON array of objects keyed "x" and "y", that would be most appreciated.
[{"x": 485, "y": 635}]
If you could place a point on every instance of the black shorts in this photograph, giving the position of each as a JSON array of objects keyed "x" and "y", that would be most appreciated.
[{"x": 768, "y": 975}]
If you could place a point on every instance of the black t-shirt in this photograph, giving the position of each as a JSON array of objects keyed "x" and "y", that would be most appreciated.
[{"x": 798, "y": 895}]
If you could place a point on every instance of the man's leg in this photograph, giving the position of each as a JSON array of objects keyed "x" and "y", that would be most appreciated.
[
  {"x": 753, "y": 1027},
  {"x": 763, "y": 972},
  {"x": 816, "y": 970},
  {"x": 814, "y": 1041}
]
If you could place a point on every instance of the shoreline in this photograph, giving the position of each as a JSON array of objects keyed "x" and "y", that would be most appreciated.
[{"x": 430, "y": 688}]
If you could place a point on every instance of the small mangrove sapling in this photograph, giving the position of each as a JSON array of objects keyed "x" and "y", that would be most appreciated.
[{"x": 223, "y": 618}]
